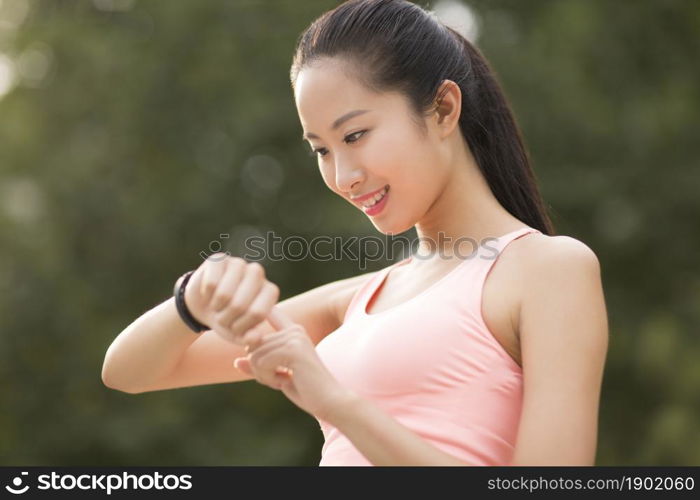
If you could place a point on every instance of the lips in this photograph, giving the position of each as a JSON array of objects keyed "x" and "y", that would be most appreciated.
[
  {"x": 378, "y": 206},
  {"x": 377, "y": 198},
  {"x": 360, "y": 201}
]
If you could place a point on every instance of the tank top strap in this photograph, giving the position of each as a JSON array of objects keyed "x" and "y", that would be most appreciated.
[
  {"x": 489, "y": 254},
  {"x": 486, "y": 255},
  {"x": 367, "y": 289},
  {"x": 502, "y": 241}
]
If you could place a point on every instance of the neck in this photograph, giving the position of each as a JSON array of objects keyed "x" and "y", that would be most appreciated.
[{"x": 463, "y": 215}]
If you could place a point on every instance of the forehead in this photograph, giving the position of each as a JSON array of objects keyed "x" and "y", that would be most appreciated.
[
  {"x": 323, "y": 79},
  {"x": 324, "y": 91}
]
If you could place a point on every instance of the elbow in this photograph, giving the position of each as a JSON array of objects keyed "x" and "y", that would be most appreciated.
[
  {"x": 107, "y": 376},
  {"x": 108, "y": 380},
  {"x": 110, "y": 375},
  {"x": 107, "y": 383}
]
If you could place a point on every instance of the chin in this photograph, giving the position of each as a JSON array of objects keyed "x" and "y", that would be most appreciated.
[{"x": 392, "y": 230}]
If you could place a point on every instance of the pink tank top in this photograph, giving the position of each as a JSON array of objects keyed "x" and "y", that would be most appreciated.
[{"x": 432, "y": 364}]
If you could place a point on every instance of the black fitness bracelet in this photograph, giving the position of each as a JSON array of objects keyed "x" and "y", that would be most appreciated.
[{"x": 179, "y": 293}]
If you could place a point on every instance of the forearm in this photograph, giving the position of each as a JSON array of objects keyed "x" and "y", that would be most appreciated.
[
  {"x": 147, "y": 349},
  {"x": 382, "y": 439}
]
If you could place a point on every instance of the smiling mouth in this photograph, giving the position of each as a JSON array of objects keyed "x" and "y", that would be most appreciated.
[{"x": 376, "y": 199}]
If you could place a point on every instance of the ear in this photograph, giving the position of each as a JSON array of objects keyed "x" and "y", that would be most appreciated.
[{"x": 448, "y": 106}]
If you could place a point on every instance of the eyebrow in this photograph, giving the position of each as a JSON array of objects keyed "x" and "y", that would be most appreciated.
[{"x": 338, "y": 122}]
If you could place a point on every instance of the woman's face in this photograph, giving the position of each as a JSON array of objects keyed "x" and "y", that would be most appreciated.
[{"x": 378, "y": 146}]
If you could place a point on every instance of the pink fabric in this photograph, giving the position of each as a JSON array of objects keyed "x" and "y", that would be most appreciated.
[{"x": 432, "y": 364}]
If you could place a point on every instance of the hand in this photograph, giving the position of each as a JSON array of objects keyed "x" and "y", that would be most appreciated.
[
  {"x": 230, "y": 295},
  {"x": 306, "y": 382}
]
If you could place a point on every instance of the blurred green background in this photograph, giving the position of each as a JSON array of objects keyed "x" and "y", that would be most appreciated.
[{"x": 133, "y": 133}]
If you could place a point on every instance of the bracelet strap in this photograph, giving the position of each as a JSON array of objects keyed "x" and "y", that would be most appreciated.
[{"x": 179, "y": 293}]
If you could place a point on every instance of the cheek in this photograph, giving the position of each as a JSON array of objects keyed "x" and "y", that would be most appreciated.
[
  {"x": 326, "y": 175},
  {"x": 399, "y": 152},
  {"x": 418, "y": 182}
]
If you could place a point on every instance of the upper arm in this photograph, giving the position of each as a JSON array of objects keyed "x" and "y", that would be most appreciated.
[
  {"x": 563, "y": 331},
  {"x": 209, "y": 359}
]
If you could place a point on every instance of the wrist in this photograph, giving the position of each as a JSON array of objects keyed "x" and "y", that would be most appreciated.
[
  {"x": 182, "y": 309},
  {"x": 342, "y": 403}
]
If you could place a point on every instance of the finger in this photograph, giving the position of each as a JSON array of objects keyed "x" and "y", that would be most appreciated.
[
  {"x": 270, "y": 363},
  {"x": 212, "y": 270},
  {"x": 252, "y": 280},
  {"x": 254, "y": 338},
  {"x": 284, "y": 370},
  {"x": 258, "y": 310},
  {"x": 270, "y": 343},
  {"x": 270, "y": 376},
  {"x": 279, "y": 319},
  {"x": 227, "y": 285},
  {"x": 271, "y": 357},
  {"x": 243, "y": 365}
]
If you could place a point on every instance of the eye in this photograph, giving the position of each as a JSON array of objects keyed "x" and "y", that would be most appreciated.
[
  {"x": 353, "y": 135},
  {"x": 314, "y": 152},
  {"x": 323, "y": 151}
]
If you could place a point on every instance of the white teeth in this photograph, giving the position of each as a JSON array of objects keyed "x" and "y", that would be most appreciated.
[{"x": 376, "y": 199}]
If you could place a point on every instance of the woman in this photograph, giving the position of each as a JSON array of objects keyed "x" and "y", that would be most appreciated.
[{"x": 426, "y": 362}]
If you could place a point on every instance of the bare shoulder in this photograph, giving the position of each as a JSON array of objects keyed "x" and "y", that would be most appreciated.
[
  {"x": 548, "y": 262},
  {"x": 527, "y": 258},
  {"x": 540, "y": 252}
]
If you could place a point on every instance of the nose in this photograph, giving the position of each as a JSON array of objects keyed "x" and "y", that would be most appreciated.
[{"x": 347, "y": 176}]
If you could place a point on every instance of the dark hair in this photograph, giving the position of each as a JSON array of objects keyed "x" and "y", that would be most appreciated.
[{"x": 395, "y": 45}]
